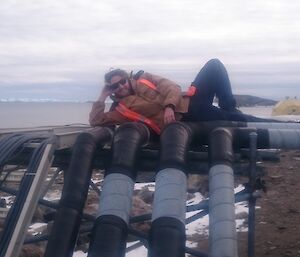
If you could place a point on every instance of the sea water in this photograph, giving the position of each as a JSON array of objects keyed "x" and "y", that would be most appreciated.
[
  {"x": 33, "y": 114},
  {"x": 28, "y": 114}
]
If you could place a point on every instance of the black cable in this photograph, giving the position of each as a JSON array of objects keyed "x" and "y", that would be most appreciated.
[
  {"x": 14, "y": 213},
  {"x": 12, "y": 145},
  {"x": 13, "y": 142},
  {"x": 5, "y": 143},
  {"x": 8, "y": 172},
  {"x": 15, "y": 210}
]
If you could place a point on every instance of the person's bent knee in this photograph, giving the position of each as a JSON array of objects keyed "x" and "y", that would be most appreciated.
[
  {"x": 214, "y": 62},
  {"x": 215, "y": 66}
]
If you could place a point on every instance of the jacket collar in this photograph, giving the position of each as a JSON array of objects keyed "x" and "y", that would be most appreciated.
[{"x": 133, "y": 84}]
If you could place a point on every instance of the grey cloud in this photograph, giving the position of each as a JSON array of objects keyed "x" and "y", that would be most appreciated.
[{"x": 63, "y": 43}]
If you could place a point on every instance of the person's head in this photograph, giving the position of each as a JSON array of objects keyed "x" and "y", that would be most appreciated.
[{"x": 118, "y": 81}]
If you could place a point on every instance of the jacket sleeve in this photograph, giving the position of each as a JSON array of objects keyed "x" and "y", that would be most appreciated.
[
  {"x": 98, "y": 117},
  {"x": 170, "y": 91}
]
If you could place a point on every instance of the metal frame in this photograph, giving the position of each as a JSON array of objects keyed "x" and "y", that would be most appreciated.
[{"x": 18, "y": 235}]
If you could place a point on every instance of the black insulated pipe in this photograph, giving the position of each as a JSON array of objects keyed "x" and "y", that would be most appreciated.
[
  {"x": 111, "y": 227},
  {"x": 127, "y": 142},
  {"x": 109, "y": 237},
  {"x": 241, "y": 138},
  {"x": 67, "y": 222},
  {"x": 167, "y": 234},
  {"x": 175, "y": 140},
  {"x": 220, "y": 151},
  {"x": 167, "y": 238},
  {"x": 239, "y": 131}
]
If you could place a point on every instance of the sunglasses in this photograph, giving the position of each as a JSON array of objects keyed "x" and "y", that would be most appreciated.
[{"x": 114, "y": 86}]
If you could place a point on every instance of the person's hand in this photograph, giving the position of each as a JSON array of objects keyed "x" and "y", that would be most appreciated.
[
  {"x": 169, "y": 115},
  {"x": 106, "y": 91}
]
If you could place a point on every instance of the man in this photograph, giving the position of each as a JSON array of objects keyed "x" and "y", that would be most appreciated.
[{"x": 157, "y": 101}]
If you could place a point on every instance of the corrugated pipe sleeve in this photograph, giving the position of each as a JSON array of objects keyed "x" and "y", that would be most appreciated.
[
  {"x": 66, "y": 225},
  {"x": 167, "y": 235},
  {"x": 222, "y": 231},
  {"x": 110, "y": 229}
]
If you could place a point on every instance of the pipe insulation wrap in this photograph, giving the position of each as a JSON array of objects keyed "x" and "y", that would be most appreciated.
[
  {"x": 108, "y": 237},
  {"x": 116, "y": 196},
  {"x": 79, "y": 173},
  {"x": 174, "y": 141},
  {"x": 222, "y": 227},
  {"x": 170, "y": 194},
  {"x": 274, "y": 125},
  {"x": 127, "y": 142},
  {"x": 241, "y": 138},
  {"x": 167, "y": 238},
  {"x": 63, "y": 238},
  {"x": 220, "y": 147},
  {"x": 284, "y": 138}
]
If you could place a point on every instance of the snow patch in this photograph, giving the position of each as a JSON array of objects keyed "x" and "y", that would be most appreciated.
[
  {"x": 140, "y": 186},
  {"x": 9, "y": 200},
  {"x": 141, "y": 251},
  {"x": 79, "y": 254},
  {"x": 37, "y": 228},
  {"x": 53, "y": 195},
  {"x": 196, "y": 199}
]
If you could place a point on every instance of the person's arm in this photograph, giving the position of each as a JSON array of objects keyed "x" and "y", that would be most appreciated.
[
  {"x": 171, "y": 93},
  {"x": 98, "y": 117},
  {"x": 169, "y": 115}
]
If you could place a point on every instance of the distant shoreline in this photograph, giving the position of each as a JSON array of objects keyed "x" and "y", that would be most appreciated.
[
  {"x": 250, "y": 101},
  {"x": 49, "y": 102},
  {"x": 242, "y": 101}
]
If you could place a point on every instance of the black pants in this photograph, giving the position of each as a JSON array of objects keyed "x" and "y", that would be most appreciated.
[{"x": 211, "y": 81}]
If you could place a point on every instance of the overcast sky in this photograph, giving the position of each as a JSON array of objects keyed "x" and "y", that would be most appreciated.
[{"x": 60, "y": 49}]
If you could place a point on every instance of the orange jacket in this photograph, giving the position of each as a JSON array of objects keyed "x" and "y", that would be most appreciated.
[{"x": 145, "y": 101}]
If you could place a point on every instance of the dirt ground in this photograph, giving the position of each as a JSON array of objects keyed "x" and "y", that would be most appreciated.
[{"x": 278, "y": 219}]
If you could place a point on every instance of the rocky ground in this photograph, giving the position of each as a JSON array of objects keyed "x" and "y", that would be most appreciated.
[{"x": 277, "y": 218}]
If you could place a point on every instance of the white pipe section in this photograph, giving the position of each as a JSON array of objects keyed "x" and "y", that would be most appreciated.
[
  {"x": 116, "y": 196},
  {"x": 274, "y": 125},
  {"x": 222, "y": 227},
  {"x": 284, "y": 138},
  {"x": 170, "y": 194}
]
